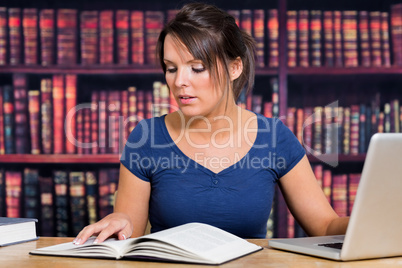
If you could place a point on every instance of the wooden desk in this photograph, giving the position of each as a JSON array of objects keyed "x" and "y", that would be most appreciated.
[{"x": 17, "y": 256}]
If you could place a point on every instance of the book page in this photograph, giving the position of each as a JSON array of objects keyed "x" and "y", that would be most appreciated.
[{"x": 206, "y": 241}]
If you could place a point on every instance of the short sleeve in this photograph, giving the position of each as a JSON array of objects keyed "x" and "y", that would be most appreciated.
[
  {"x": 288, "y": 149},
  {"x": 137, "y": 154}
]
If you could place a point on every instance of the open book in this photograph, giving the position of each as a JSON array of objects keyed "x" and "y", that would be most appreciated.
[{"x": 192, "y": 242}]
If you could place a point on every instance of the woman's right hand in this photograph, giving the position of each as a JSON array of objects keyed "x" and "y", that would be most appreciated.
[{"x": 113, "y": 224}]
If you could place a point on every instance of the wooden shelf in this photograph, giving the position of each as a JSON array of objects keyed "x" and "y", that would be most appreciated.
[
  {"x": 339, "y": 158},
  {"x": 62, "y": 158},
  {"x": 344, "y": 71}
]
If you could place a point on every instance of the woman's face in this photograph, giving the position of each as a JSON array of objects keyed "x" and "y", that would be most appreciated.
[{"x": 191, "y": 83}]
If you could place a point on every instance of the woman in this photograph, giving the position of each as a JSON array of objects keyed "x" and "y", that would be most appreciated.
[{"x": 211, "y": 161}]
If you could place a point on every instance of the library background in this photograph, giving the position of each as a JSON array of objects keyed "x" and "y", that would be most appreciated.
[{"x": 330, "y": 70}]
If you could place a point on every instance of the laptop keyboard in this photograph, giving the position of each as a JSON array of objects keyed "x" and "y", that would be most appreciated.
[{"x": 332, "y": 245}]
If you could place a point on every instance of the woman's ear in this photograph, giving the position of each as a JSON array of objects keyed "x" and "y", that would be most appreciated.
[{"x": 236, "y": 68}]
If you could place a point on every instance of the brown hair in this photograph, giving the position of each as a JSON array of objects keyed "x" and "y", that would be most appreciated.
[{"x": 212, "y": 36}]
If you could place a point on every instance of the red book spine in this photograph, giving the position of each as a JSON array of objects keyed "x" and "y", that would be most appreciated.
[
  {"x": 268, "y": 109},
  {"x": 396, "y": 33},
  {"x": 154, "y": 21},
  {"x": 316, "y": 36},
  {"x": 123, "y": 119},
  {"x": 106, "y": 37},
  {"x": 46, "y": 115},
  {"x": 303, "y": 38},
  {"x": 13, "y": 193},
  {"x": 349, "y": 32},
  {"x": 328, "y": 25},
  {"x": 273, "y": 38},
  {"x": 30, "y": 31},
  {"x": 89, "y": 37},
  {"x": 137, "y": 37},
  {"x": 375, "y": 38},
  {"x": 21, "y": 113},
  {"x": 364, "y": 35},
  {"x": 71, "y": 102},
  {"x": 66, "y": 36},
  {"x": 2, "y": 149},
  {"x": 259, "y": 36},
  {"x": 3, "y": 36},
  {"x": 338, "y": 49},
  {"x": 47, "y": 206},
  {"x": 80, "y": 130},
  {"x": 103, "y": 120},
  {"x": 339, "y": 194},
  {"x": 132, "y": 109},
  {"x": 299, "y": 124},
  {"x": 15, "y": 36},
  {"x": 291, "y": 119},
  {"x": 95, "y": 122},
  {"x": 34, "y": 120},
  {"x": 122, "y": 36},
  {"x": 308, "y": 129},
  {"x": 58, "y": 114},
  {"x": 291, "y": 27},
  {"x": 353, "y": 184},
  {"x": 47, "y": 34},
  {"x": 386, "y": 54}
]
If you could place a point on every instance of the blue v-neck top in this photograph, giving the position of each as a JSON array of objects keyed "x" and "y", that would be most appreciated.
[{"x": 238, "y": 199}]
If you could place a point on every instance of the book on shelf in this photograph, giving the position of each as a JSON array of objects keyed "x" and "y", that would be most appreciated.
[
  {"x": 2, "y": 194},
  {"x": 70, "y": 100},
  {"x": 31, "y": 193},
  {"x": 375, "y": 38},
  {"x": 137, "y": 36},
  {"x": 46, "y": 112},
  {"x": 259, "y": 36},
  {"x": 3, "y": 36},
  {"x": 20, "y": 85},
  {"x": 34, "y": 120},
  {"x": 30, "y": 33},
  {"x": 154, "y": 21},
  {"x": 66, "y": 36},
  {"x": 61, "y": 203},
  {"x": 106, "y": 37},
  {"x": 385, "y": 40},
  {"x": 349, "y": 34},
  {"x": 303, "y": 38},
  {"x": 89, "y": 37},
  {"x": 2, "y": 149},
  {"x": 46, "y": 223},
  {"x": 364, "y": 38},
  {"x": 328, "y": 37},
  {"x": 107, "y": 181},
  {"x": 273, "y": 38},
  {"x": 291, "y": 35},
  {"x": 316, "y": 37},
  {"x": 8, "y": 119},
  {"x": 17, "y": 230},
  {"x": 15, "y": 36},
  {"x": 47, "y": 36},
  {"x": 13, "y": 180},
  {"x": 77, "y": 201},
  {"x": 338, "y": 46},
  {"x": 188, "y": 243},
  {"x": 396, "y": 33},
  {"x": 58, "y": 93},
  {"x": 122, "y": 36}
]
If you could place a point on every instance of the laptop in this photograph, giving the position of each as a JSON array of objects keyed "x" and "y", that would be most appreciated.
[{"x": 375, "y": 226}]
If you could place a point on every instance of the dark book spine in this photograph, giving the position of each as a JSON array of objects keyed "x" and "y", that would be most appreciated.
[
  {"x": 91, "y": 185},
  {"x": 353, "y": 183},
  {"x": 364, "y": 38},
  {"x": 77, "y": 201},
  {"x": 89, "y": 37},
  {"x": 291, "y": 30},
  {"x": 259, "y": 35},
  {"x": 396, "y": 33},
  {"x": 137, "y": 37},
  {"x": 13, "y": 193},
  {"x": 87, "y": 130},
  {"x": 375, "y": 38},
  {"x": 354, "y": 129},
  {"x": 275, "y": 96},
  {"x": 15, "y": 36},
  {"x": 2, "y": 194},
  {"x": 47, "y": 215},
  {"x": 46, "y": 111},
  {"x": 34, "y": 120},
  {"x": 47, "y": 36},
  {"x": 328, "y": 25},
  {"x": 61, "y": 203},
  {"x": 349, "y": 32},
  {"x": 8, "y": 110},
  {"x": 30, "y": 33},
  {"x": 80, "y": 131},
  {"x": 338, "y": 48},
  {"x": 66, "y": 36},
  {"x": 303, "y": 38},
  {"x": 122, "y": 36},
  {"x": 362, "y": 128},
  {"x": 385, "y": 46},
  {"x": 106, "y": 37},
  {"x": 31, "y": 193},
  {"x": 154, "y": 21},
  {"x": 21, "y": 113},
  {"x": 107, "y": 187},
  {"x": 316, "y": 38},
  {"x": 103, "y": 117},
  {"x": 3, "y": 36},
  {"x": 2, "y": 149}
]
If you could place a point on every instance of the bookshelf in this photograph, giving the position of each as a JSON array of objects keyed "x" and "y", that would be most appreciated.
[{"x": 288, "y": 86}]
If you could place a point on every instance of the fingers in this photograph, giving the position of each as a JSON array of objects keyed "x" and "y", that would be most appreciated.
[{"x": 112, "y": 224}]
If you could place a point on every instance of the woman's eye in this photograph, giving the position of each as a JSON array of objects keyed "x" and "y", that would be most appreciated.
[
  {"x": 198, "y": 70},
  {"x": 171, "y": 70}
]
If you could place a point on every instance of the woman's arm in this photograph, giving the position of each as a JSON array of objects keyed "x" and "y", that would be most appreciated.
[
  {"x": 130, "y": 215},
  {"x": 308, "y": 204}
]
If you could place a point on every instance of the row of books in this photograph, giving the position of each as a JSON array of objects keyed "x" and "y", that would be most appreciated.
[
  {"x": 50, "y": 121},
  {"x": 348, "y": 38},
  {"x": 343, "y": 130},
  {"x": 339, "y": 189},
  {"x": 63, "y": 201},
  {"x": 70, "y": 36}
]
